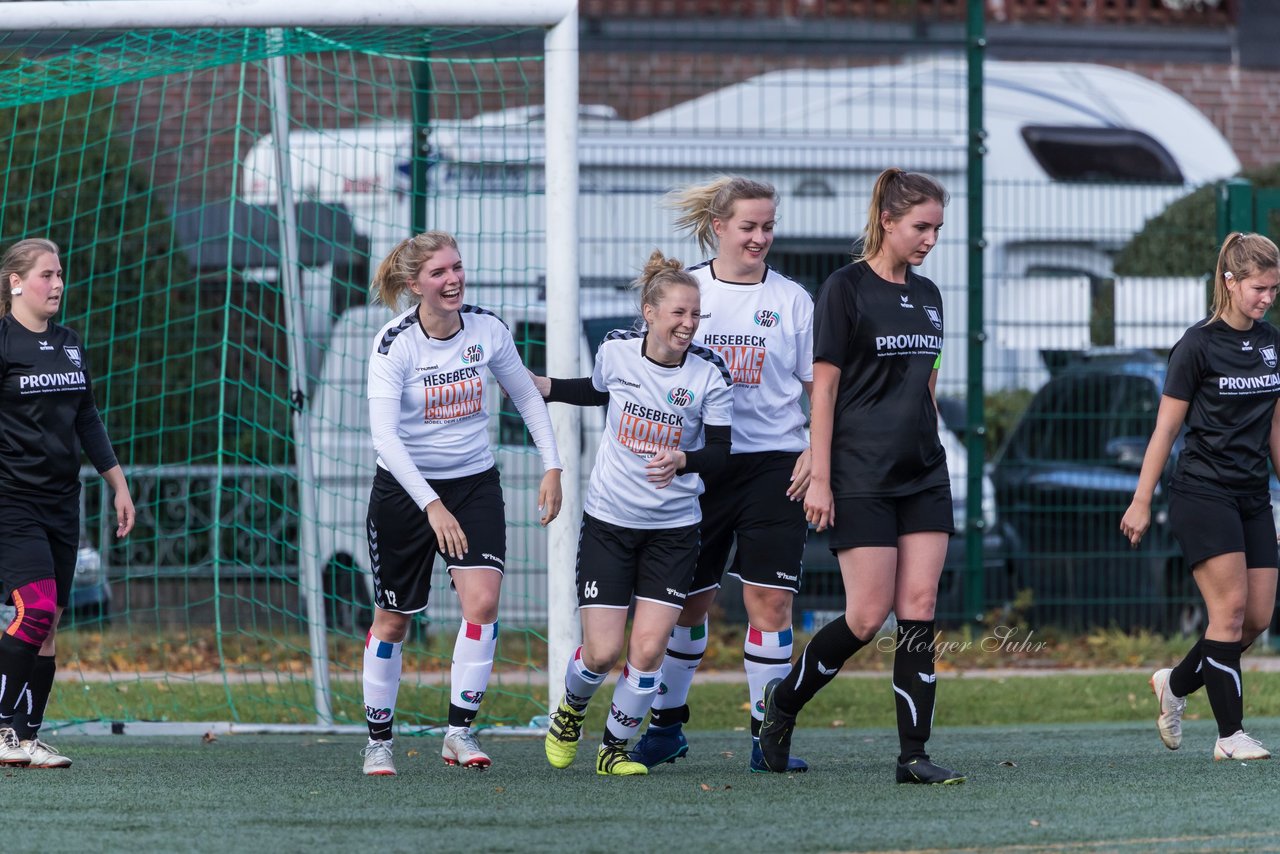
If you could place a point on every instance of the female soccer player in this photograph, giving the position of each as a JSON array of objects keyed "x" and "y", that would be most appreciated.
[
  {"x": 761, "y": 324},
  {"x": 437, "y": 490},
  {"x": 1222, "y": 384},
  {"x": 879, "y": 478},
  {"x": 47, "y": 414},
  {"x": 670, "y": 402}
]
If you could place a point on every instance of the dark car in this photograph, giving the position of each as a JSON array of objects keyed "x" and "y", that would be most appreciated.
[{"x": 1065, "y": 477}]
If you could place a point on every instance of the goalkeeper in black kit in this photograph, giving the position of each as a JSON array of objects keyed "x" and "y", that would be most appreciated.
[{"x": 47, "y": 414}]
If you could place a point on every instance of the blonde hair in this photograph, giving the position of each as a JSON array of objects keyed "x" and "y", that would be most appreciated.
[
  {"x": 702, "y": 204},
  {"x": 1243, "y": 254},
  {"x": 661, "y": 272},
  {"x": 896, "y": 191},
  {"x": 402, "y": 265},
  {"x": 19, "y": 260}
]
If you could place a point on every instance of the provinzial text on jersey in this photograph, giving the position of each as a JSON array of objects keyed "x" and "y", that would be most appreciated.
[
  {"x": 52, "y": 382},
  {"x": 908, "y": 342},
  {"x": 1248, "y": 383}
]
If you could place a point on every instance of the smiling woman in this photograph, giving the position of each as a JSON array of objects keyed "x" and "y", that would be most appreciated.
[{"x": 47, "y": 415}]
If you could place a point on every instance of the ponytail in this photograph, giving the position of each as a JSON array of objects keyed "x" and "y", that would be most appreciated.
[{"x": 896, "y": 191}]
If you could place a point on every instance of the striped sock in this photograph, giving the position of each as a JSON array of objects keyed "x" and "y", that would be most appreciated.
[
  {"x": 580, "y": 684},
  {"x": 381, "y": 680},
  {"x": 632, "y": 698},
  {"x": 472, "y": 664},
  {"x": 685, "y": 649},
  {"x": 766, "y": 656}
]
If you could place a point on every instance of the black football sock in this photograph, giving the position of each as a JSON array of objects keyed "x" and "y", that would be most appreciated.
[
  {"x": 1221, "y": 672},
  {"x": 826, "y": 653},
  {"x": 914, "y": 686}
]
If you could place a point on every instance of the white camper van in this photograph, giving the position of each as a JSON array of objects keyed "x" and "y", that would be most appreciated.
[{"x": 1079, "y": 157}]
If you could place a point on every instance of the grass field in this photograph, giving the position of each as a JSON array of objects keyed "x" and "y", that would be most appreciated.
[
  {"x": 1074, "y": 765},
  {"x": 1083, "y": 787},
  {"x": 865, "y": 701}
]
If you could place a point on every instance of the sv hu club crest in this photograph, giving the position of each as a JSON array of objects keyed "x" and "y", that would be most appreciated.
[
  {"x": 1268, "y": 354},
  {"x": 472, "y": 354},
  {"x": 73, "y": 353}
]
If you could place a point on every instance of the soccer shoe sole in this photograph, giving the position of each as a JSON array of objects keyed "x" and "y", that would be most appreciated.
[{"x": 1170, "y": 739}]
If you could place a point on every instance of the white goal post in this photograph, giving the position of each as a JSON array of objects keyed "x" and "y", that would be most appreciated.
[{"x": 560, "y": 20}]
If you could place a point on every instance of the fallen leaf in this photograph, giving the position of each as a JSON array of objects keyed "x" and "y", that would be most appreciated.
[
  {"x": 499, "y": 789},
  {"x": 704, "y": 787},
  {"x": 726, "y": 754},
  {"x": 208, "y": 738},
  {"x": 411, "y": 753},
  {"x": 1007, "y": 764},
  {"x": 727, "y": 787},
  {"x": 1035, "y": 822},
  {"x": 837, "y": 723},
  {"x": 745, "y": 707}
]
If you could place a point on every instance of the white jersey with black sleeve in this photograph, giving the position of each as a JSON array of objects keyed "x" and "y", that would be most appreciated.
[
  {"x": 764, "y": 333},
  {"x": 653, "y": 407},
  {"x": 439, "y": 386}
]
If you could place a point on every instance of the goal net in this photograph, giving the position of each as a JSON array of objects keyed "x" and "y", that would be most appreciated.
[{"x": 217, "y": 268}]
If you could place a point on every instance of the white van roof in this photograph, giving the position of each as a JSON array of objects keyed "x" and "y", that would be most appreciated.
[{"x": 913, "y": 114}]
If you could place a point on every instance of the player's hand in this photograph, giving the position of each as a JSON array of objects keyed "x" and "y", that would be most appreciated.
[
  {"x": 661, "y": 470},
  {"x": 819, "y": 505},
  {"x": 125, "y": 513},
  {"x": 542, "y": 384},
  {"x": 449, "y": 537},
  {"x": 800, "y": 476},
  {"x": 550, "y": 496},
  {"x": 1136, "y": 521}
]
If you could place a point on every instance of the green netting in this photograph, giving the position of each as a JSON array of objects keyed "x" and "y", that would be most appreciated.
[{"x": 148, "y": 157}]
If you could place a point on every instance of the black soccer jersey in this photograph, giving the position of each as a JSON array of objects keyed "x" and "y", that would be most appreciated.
[
  {"x": 1229, "y": 380},
  {"x": 46, "y": 411},
  {"x": 886, "y": 339}
]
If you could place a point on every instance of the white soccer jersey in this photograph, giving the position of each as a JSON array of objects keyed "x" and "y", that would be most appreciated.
[
  {"x": 652, "y": 407},
  {"x": 764, "y": 333},
  {"x": 440, "y": 387}
]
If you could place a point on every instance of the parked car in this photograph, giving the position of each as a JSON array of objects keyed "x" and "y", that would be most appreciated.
[
  {"x": 90, "y": 592},
  {"x": 1063, "y": 480},
  {"x": 821, "y": 594}
]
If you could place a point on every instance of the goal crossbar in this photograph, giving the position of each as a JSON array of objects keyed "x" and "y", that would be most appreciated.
[{"x": 148, "y": 14}]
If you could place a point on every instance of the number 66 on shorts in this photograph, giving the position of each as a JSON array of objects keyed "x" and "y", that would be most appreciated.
[{"x": 616, "y": 563}]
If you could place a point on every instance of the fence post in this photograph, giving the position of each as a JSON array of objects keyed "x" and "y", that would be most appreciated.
[
  {"x": 1235, "y": 207},
  {"x": 975, "y": 583}
]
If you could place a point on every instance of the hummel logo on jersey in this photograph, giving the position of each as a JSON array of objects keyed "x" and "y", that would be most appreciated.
[
  {"x": 73, "y": 353},
  {"x": 1245, "y": 346},
  {"x": 935, "y": 317},
  {"x": 472, "y": 354},
  {"x": 680, "y": 397},
  {"x": 1268, "y": 354},
  {"x": 766, "y": 318},
  {"x": 928, "y": 677},
  {"x": 44, "y": 345},
  {"x": 827, "y": 671},
  {"x": 628, "y": 383},
  {"x": 904, "y": 303}
]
